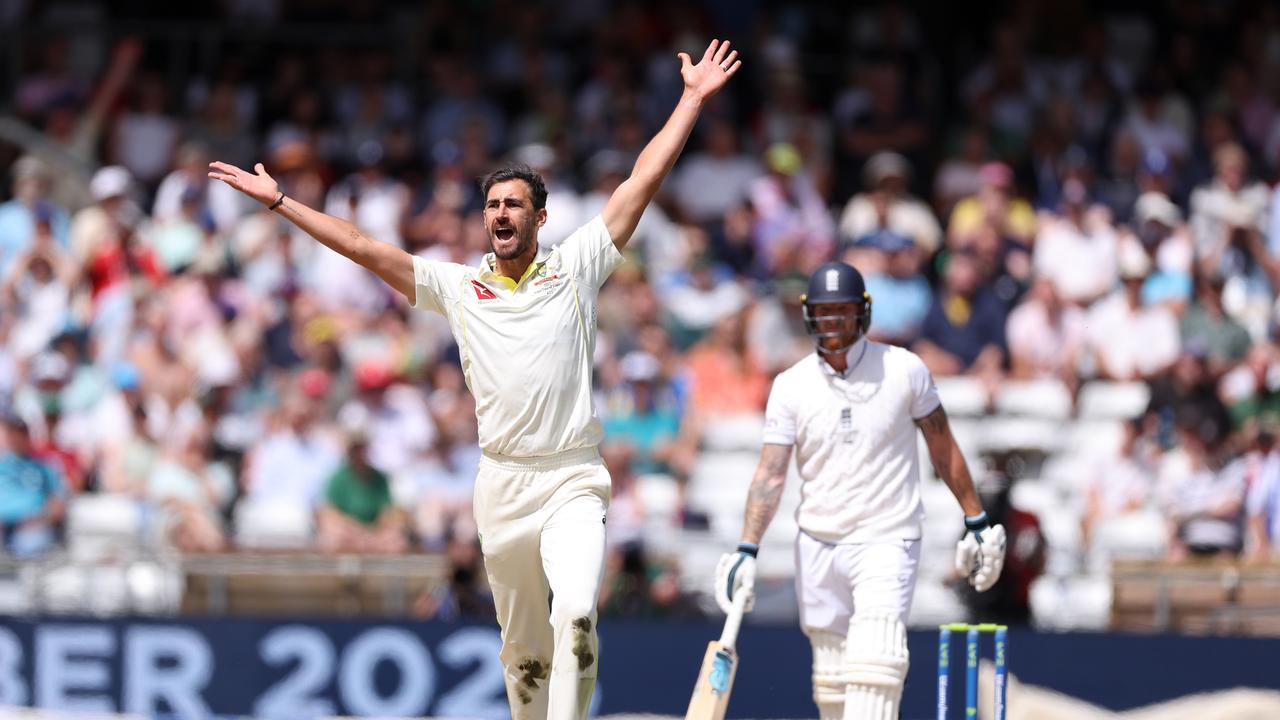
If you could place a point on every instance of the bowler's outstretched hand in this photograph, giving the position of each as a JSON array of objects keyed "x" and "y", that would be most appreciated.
[
  {"x": 717, "y": 65},
  {"x": 258, "y": 184}
]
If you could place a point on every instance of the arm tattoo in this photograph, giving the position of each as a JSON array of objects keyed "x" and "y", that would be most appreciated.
[
  {"x": 948, "y": 461},
  {"x": 937, "y": 435},
  {"x": 286, "y": 208},
  {"x": 358, "y": 242},
  {"x": 766, "y": 491},
  {"x": 934, "y": 422}
]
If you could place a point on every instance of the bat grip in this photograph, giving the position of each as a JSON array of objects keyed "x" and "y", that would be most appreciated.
[{"x": 733, "y": 622}]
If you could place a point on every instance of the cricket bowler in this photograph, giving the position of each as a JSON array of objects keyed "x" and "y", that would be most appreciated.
[
  {"x": 524, "y": 322},
  {"x": 850, "y": 411}
]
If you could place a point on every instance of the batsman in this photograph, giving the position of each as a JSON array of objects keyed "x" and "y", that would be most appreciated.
[{"x": 850, "y": 410}]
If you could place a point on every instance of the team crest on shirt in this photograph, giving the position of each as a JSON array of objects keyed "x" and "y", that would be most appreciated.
[
  {"x": 482, "y": 292},
  {"x": 547, "y": 284},
  {"x": 846, "y": 424}
]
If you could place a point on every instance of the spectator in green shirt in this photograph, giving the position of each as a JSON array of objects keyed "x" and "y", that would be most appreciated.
[
  {"x": 357, "y": 513},
  {"x": 1206, "y": 323}
]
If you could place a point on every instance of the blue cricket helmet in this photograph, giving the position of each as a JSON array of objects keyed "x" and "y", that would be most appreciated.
[{"x": 837, "y": 282}]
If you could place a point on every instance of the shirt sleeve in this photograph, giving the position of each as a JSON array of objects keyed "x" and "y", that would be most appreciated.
[
  {"x": 924, "y": 393},
  {"x": 780, "y": 415},
  {"x": 431, "y": 284},
  {"x": 1264, "y": 485},
  {"x": 1231, "y": 483},
  {"x": 589, "y": 253}
]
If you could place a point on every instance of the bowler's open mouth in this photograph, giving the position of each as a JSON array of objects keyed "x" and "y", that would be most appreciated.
[{"x": 504, "y": 233}]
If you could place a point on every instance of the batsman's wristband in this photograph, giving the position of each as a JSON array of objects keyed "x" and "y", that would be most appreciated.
[
  {"x": 747, "y": 548},
  {"x": 279, "y": 201},
  {"x": 977, "y": 522}
]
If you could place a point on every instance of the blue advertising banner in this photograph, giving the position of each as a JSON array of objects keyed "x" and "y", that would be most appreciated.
[{"x": 197, "y": 667}]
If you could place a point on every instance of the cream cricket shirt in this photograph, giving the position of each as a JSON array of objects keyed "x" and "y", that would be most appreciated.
[
  {"x": 526, "y": 347},
  {"x": 855, "y": 441}
]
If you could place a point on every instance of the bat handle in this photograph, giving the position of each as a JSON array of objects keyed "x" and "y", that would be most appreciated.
[{"x": 733, "y": 622}]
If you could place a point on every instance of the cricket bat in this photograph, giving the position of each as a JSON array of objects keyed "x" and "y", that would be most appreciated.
[{"x": 719, "y": 665}]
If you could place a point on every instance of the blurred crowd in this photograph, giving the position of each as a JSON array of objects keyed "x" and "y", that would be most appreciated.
[{"x": 1031, "y": 193}]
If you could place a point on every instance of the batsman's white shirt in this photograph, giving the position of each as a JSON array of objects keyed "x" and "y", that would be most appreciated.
[
  {"x": 855, "y": 441},
  {"x": 526, "y": 347}
]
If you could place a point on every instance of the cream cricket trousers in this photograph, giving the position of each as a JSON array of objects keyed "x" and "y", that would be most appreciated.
[
  {"x": 541, "y": 524},
  {"x": 833, "y": 582}
]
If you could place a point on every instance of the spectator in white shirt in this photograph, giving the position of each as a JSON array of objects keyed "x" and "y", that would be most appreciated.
[
  {"x": 369, "y": 197},
  {"x": 887, "y": 205},
  {"x": 294, "y": 459},
  {"x": 1203, "y": 497},
  {"x": 1078, "y": 248},
  {"x": 1118, "y": 499},
  {"x": 1046, "y": 337},
  {"x": 1156, "y": 121},
  {"x": 1159, "y": 229},
  {"x": 146, "y": 134},
  {"x": 37, "y": 292},
  {"x": 1127, "y": 340},
  {"x": 702, "y": 297},
  {"x": 190, "y": 180},
  {"x": 1228, "y": 226},
  {"x": 710, "y": 182},
  {"x": 1228, "y": 202}
]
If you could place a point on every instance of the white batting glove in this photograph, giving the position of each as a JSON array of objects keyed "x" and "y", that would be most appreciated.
[
  {"x": 736, "y": 573},
  {"x": 980, "y": 553}
]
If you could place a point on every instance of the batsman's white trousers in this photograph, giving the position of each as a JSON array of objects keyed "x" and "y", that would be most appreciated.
[
  {"x": 835, "y": 581},
  {"x": 541, "y": 524}
]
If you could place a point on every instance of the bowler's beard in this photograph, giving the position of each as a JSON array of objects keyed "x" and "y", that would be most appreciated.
[{"x": 526, "y": 241}]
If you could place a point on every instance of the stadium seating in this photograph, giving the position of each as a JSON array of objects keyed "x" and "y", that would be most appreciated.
[
  {"x": 102, "y": 526},
  {"x": 1113, "y": 400},
  {"x": 660, "y": 496},
  {"x": 962, "y": 396},
  {"x": 266, "y": 525},
  {"x": 1048, "y": 399}
]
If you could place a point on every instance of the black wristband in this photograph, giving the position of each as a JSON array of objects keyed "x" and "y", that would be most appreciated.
[
  {"x": 747, "y": 548},
  {"x": 279, "y": 201},
  {"x": 977, "y": 522}
]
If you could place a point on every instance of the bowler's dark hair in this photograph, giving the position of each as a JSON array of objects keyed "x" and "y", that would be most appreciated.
[{"x": 537, "y": 188}]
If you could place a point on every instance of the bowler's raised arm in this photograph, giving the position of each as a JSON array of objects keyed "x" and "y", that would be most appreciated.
[
  {"x": 701, "y": 81},
  {"x": 393, "y": 265}
]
